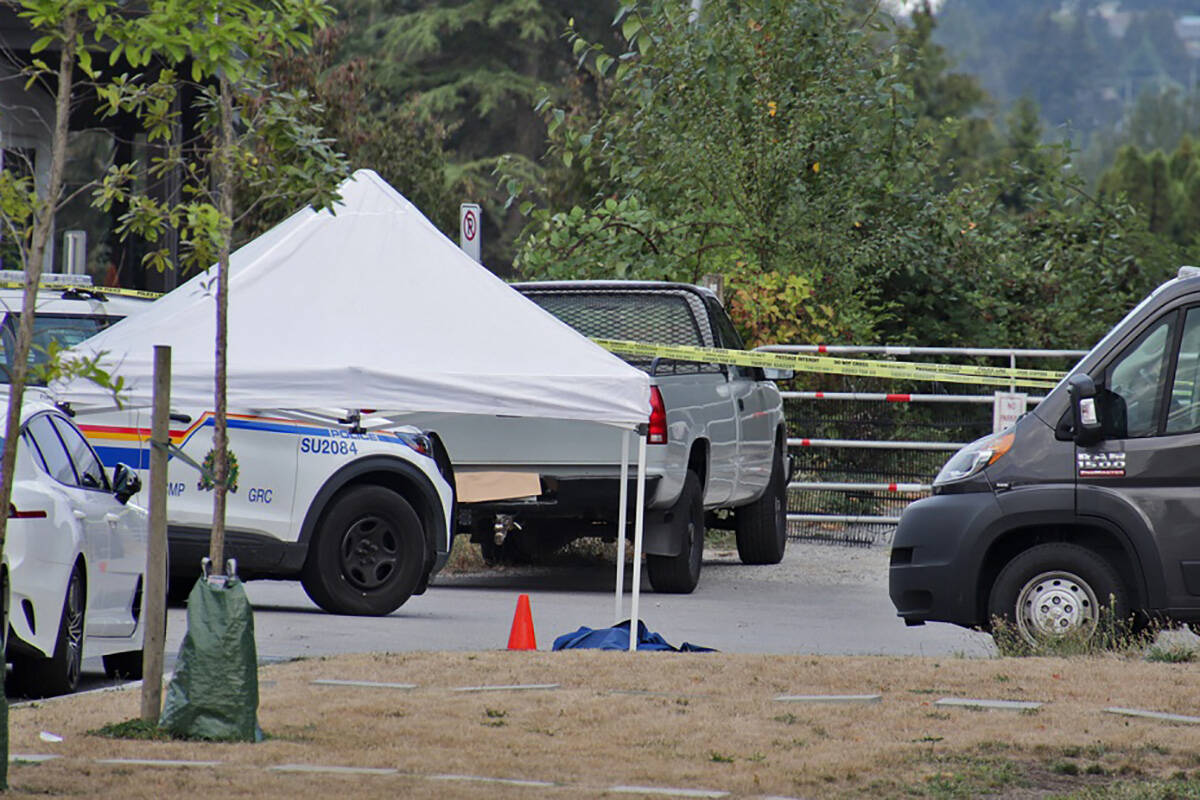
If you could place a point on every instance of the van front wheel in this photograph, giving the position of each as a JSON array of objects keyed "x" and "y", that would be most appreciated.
[
  {"x": 1055, "y": 591},
  {"x": 366, "y": 555}
]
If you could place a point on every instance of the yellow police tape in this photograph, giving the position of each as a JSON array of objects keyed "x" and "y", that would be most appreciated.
[
  {"x": 896, "y": 370},
  {"x": 902, "y": 370},
  {"x": 114, "y": 291}
]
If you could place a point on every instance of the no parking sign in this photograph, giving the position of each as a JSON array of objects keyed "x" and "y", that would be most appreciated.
[{"x": 470, "y": 229}]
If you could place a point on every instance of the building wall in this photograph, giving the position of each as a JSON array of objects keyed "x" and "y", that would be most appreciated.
[{"x": 25, "y": 126}]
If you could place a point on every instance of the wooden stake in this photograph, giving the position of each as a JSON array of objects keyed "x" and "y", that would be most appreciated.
[{"x": 154, "y": 613}]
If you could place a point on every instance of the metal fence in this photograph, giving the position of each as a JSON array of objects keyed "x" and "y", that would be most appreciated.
[{"x": 864, "y": 448}]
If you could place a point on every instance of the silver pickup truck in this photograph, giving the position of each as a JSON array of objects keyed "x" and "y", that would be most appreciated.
[{"x": 717, "y": 441}]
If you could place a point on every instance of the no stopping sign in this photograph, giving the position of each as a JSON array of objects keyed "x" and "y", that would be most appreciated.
[{"x": 470, "y": 229}]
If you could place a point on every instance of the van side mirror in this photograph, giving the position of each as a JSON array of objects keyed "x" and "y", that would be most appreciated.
[
  {"x": 1086, "y": 417},
  {"x": 126, "y": 483}
]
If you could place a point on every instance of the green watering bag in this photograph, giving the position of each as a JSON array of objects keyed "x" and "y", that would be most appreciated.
[{"x": 214, "y": 691}]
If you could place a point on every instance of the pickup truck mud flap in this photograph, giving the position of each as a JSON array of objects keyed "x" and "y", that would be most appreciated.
[{"x": 660, "y": 538}]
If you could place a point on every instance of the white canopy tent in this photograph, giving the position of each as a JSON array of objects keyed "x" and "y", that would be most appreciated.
[{"x": 370, "y": 306}]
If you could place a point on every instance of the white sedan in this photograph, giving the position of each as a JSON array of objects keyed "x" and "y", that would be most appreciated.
[{"x": 74, "y": 559}]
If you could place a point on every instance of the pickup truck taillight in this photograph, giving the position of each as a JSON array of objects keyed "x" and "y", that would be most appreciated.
[{"x": 658, "y": 418}]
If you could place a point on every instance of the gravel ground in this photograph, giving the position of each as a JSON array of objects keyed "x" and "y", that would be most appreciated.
[
  {"x": 819, "y": 563},
  {"x": 805, "y": 561}
]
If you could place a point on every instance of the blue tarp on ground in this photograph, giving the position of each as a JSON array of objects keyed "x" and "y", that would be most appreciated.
[{"x": 617, "y": 638}]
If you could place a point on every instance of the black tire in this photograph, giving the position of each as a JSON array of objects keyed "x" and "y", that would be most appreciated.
[
  {"x": 59, "y": 674},
  {"x": 366, "y": 555},
  {"x": 679, "y": 574},
  {"x": 124, "y": 666},
  {"x": 762, "y": 525},
  {"x": 1057, "y": 589}
]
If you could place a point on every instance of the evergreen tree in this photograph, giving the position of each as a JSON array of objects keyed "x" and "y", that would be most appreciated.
[
  {"x": 947, "y": 103},
  {"x": 407, "y": 151},
  {"x": 474, "y": 69},
  {"x": 1165, "y": 190}
]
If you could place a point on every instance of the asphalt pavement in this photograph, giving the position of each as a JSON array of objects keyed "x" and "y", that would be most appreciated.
[
  {"x": 822, "y": 599},
  {"x": 796, "y": 607}
]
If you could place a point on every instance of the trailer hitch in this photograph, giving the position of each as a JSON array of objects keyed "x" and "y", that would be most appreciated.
[{"x": 504, "y": 524}]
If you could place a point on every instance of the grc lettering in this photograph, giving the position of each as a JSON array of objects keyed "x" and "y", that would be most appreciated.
[{"x": 257, "y": 495}]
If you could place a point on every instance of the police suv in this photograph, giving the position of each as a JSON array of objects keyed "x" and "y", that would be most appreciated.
[{"x": 360, "y": 515}]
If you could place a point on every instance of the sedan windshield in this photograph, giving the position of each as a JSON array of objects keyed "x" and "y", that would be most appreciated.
[{"x": 68, "y": 330}]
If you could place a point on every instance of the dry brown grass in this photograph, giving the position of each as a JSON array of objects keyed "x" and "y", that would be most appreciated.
[{"x": 683, "y": 720}]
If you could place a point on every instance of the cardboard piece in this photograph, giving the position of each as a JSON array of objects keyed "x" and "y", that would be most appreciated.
[{"x": 484, "y": 485}]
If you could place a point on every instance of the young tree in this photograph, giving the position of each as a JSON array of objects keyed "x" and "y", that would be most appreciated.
[
  {"x": 68, "y": 29},
  {"x": 250, "y": 135}
]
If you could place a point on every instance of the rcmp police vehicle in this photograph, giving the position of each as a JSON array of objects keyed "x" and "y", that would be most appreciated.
[
  {"x": 360, "y": 514},
  {"x": 1090, "y": 501}
]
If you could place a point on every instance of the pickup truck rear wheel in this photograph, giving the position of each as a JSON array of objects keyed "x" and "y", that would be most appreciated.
[
  {"x": 367, "y": 554},
  {"x": 1057, "y": 590},
  {"x": 762, "y": 525},
  {"x": 679, "y": 574}
]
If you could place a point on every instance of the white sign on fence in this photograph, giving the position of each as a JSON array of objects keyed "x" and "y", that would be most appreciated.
[
  {"x": 470, "y": 229},
  {"x": 1008, "y": 407}
]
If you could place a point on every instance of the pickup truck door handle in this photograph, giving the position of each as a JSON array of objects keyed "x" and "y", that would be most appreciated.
[
  {"x": 78, "y": 513},
  {"x": 741, "y": 404}
]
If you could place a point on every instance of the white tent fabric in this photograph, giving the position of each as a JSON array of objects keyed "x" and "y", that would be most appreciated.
[{"x": 368, "y": 307}]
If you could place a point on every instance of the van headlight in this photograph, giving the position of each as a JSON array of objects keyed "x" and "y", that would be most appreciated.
[{"x": 974, "y": 457}]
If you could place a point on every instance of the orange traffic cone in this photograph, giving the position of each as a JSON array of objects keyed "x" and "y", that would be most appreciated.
[{"x": 522, "y": 637}]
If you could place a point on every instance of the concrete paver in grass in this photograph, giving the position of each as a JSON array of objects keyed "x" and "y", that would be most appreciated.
[
  {"x": 996, "y": 705},
  {"x": 513, "y": 687},
  {"x": 332, "y": 769},
  {"x": 485, "y": 779},
  {"x": 156, "y": 762},
  {"x": 362, "y": 684},
  {"x": 829, "y": 698},
  {"x": 667, "y": 791},
  {"x": 1158, "y": 715}
]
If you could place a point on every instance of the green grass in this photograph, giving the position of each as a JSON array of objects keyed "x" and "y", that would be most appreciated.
[
  {"x": 133, "y": 729},
  {"x": 1110, "y": 635},
  {"x": 1169, "y": 789},
  {"x": 1174, "y": 653},
  {"x": 970, "y": 777}
]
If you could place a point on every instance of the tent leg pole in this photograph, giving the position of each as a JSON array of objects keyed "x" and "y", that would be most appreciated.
[
  {"x": 639, "y": 518},
  {"x": 622, "y": 518}
]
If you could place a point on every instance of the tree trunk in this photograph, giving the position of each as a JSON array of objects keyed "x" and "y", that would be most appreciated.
[
  {"x": 223, "y": 174},
  {"x": 43, "y": 224}
]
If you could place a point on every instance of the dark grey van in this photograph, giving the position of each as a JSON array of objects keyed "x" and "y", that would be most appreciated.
[{"x": 1092, "y": 497}]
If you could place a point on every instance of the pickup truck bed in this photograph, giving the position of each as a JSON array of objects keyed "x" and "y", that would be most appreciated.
[{"x": 717, "y": 441}]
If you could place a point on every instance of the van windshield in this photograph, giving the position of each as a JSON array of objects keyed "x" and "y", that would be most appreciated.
[{"x": 66, "y": 329}]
